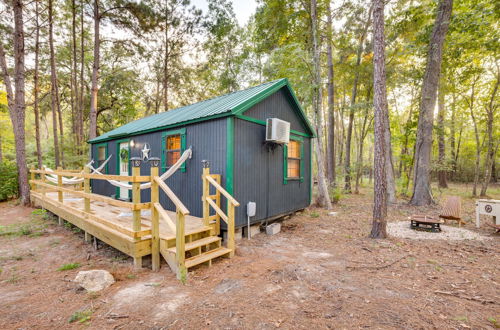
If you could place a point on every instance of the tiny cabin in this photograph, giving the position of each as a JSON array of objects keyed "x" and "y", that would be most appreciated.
[{"x": 258, "y": 139}]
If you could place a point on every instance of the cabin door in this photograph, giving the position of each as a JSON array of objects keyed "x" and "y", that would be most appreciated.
[{"x": 124, "y": 164}]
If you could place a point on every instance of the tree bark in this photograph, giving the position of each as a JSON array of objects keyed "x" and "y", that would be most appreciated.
[
  {"x": 359, "y": 52},
  {"x": 422, "y": 194},
  {"x": 16, "y": 100},
  {"x": 440, "y": 132},
  {"x": 36, "y": 88},
  {"x": 165, "y": 68},
  {"x": 74, "y": 73},
  {"x": 452, "y": 136},
  {"x": 490, "y": 154},
  {"x": 331, "y": 115},
  {"x": 323, "y": 198},
  {"x": 82, "y": 84},
  {"x": 53, "y": 87},
  {"x": 379, "y": 224},
  {"x": 476, "y": 136},
  {"x": 389, "y": 164},
  {"x": 95, "y": 74}
]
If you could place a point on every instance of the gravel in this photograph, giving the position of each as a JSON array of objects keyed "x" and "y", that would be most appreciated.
[{"x": 402, "y": 229}]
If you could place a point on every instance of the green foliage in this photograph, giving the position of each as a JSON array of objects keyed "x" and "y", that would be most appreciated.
[
  {"x": 69, "y": 266},
  {"x": 33, "y": 228},
  {"x": 81, "y": 316},
  {"x": 8, "y": 180},
  {"x": 335, "y": 194}
]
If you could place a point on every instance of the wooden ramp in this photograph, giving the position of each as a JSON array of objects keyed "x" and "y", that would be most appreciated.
[{"x": 139, "y": 229}]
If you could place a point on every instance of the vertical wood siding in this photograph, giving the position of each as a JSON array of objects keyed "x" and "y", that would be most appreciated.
[
  {"x": 277, "y": 105},
  {"x": 208, "y": 140}
]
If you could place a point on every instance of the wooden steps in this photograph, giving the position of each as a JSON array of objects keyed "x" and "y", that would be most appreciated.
[
  {"x": 207, "y": 256},
  {"x": 198, "y": 243}
]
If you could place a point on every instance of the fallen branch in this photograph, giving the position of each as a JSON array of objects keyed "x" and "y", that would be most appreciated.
[
  {"x": 379, "y": 267},
  {"x": 455, "y": 294}
]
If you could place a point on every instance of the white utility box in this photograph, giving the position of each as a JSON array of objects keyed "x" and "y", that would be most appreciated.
[{"x": 488, "y": 207}]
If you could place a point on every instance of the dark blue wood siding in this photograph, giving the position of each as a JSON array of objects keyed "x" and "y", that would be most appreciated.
[
  {"x": 208, "y": 140},
  {"x": 277, "y": 105},
  {"x": 259, "y": 176},
  {"x": 258, "y": 171}
]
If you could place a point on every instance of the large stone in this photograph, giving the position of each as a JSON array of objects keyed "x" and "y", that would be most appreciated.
[{"x": 94, "y": 280}]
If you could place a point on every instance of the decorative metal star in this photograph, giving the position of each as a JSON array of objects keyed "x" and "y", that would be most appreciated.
[{"x": 145, "y": 152}]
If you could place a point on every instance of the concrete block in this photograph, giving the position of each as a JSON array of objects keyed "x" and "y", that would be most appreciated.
[
  {"x": 238, "y": 235},
  {"x": 273, "y": 228},
  {"x": 254, "y": 230}
]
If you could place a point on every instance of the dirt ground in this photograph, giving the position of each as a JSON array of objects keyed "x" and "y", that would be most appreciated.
[{"x": 320, "y": 271}]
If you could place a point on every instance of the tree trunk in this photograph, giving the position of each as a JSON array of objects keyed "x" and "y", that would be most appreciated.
[
  {"x": 476, "y": 136},
  {"x": 359, "y": 52},
  {"x": 53, "y": 87},
  {"x": 323, "y": 198},
  {"x": 331, "y": 116},
  {"x": 36, "y": 88},
  {"x": 95, "y": 74},
  {"x": 490, "y": 154},
  {"x": 379, "y": 223},
  {"x": 389, "y": 164},
  {"x": 452, "y": 137},
  {"x": 16, "y": 100},
  {"x": 440, "y": 131},
  {"x": 165, "y": 69},
  {"x": 421, "y": 175},
  {"x": 74, "y": 73},
  {"x": 82, "y": 84}
]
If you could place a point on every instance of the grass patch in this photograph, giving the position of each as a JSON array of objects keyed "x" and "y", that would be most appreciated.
[
  {"x": 314, "y": 215},
  {"x": 35, "y": 228},
  {"x": 13, "y": 279},
  {"x": 494, "y": 322},
  {"x": 131, "y": 276},
  {"x": 82, "y": 316},
  {"x": 461, "y": 318},
  {"x": 69, "y": 266}
]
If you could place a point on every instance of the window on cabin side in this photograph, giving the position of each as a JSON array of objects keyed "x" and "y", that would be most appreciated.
[
  {"x": 173, "y": 149},
  {"x": 293, "y": 160}
]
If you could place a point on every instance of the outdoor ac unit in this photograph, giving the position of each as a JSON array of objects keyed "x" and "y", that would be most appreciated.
[{"x": 277, "y": 130}]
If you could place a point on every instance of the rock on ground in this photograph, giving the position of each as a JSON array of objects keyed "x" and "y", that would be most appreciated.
[{"x": 94, "y": 280}]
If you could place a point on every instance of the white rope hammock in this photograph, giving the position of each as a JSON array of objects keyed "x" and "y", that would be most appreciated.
[
  {"x": 187, "y": 154},
  {"x": 74, "y": 180}
]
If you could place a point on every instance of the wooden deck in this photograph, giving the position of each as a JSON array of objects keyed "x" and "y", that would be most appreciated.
[
  {"x": 121, "y": 217},
  {"x": 139, "y": 229}
]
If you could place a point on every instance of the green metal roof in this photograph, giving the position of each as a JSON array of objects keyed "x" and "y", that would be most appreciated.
[{"x": 226, "y": 105}]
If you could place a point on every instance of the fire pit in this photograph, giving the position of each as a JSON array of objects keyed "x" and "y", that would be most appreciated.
[{"x": 426, "y": 223}]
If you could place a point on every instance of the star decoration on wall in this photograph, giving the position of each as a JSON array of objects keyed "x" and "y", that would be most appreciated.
[{"x": 145, "y": 151}]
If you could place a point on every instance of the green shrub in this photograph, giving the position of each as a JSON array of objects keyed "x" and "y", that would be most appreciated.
[
  {"x": 335, "y": 194},
  {"x": 69, "y": 266},
  {"x": 8, "y": 180}
]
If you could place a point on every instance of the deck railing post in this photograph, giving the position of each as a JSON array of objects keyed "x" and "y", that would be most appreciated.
[
  {"x": 206, "y": 192},
  {"x": 180, "y": 247},
  {"x": 155, "y": 218},
  {"x": 33, "y": 185},
  {"x": 44, "y": 179},
  {"x": 230, "y": 228},
  {"x": 86, "y": 189},
  {"x": 136, "y": 193},
  {"x": 59, "y": 184},
  {"x": 136, "y": 199}
]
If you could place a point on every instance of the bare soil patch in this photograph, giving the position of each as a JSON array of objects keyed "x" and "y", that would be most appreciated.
[{"x": 321, "y": 271}]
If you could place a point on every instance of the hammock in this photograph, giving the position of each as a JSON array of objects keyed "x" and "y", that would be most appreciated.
[
  {"x": 187, "y": 154},
  {"x": 74, "y": 180}
]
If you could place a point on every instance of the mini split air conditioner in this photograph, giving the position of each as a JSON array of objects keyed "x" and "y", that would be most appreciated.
[{"x": 277, "y": 130}]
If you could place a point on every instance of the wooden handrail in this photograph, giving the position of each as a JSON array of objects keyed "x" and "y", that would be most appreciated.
[
  {"x": 164, "y": 215},
  {"x": 131, "y": 178},
  {"x": 223, "y": 191},
  {"x": 95, "y": 197},
  {"x": 177, "y": 202},
  {"x": 217, "y": 209}
]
